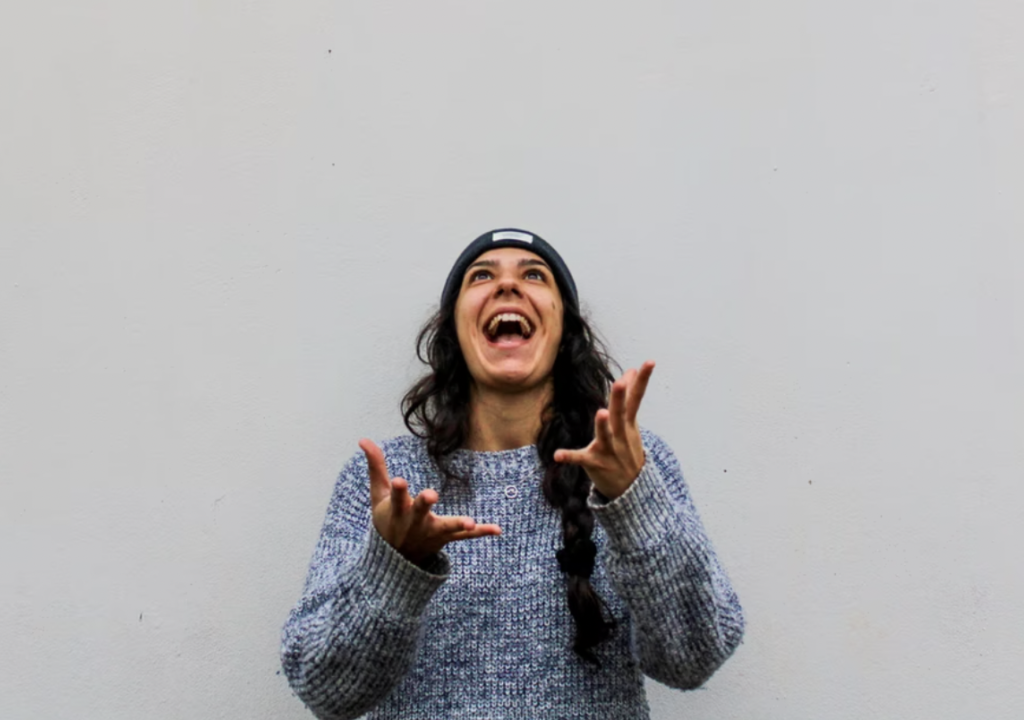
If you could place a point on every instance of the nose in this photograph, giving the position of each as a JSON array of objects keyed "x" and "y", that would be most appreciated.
[{"x": 508, "y": 284}]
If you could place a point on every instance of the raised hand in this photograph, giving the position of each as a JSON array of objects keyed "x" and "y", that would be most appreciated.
[
  {"x": 408, "y": 525},
  {"x": 615, "y": 456}
]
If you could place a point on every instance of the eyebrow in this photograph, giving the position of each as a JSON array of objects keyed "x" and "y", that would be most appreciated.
[
  {"x": 533, "y": 261},
  {"x": 523, "y": 262}
]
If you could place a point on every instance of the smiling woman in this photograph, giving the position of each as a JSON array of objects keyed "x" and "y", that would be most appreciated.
[
  {"x": 508, "y": 317},
  {"x": 592, "y": 568}
]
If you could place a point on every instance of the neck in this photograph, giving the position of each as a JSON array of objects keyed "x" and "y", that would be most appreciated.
[{"x": 505, "y": 421}]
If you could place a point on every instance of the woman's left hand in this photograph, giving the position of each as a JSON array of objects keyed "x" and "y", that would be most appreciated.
[{"x": 615, "y": 456}]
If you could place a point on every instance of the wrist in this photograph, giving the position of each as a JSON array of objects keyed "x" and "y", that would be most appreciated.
[{"x": 609, "y": 490}]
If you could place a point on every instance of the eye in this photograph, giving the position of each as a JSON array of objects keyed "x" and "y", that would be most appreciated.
[
  {"x": 479, "y": 275},
  {"x": 534, "y": 275}
]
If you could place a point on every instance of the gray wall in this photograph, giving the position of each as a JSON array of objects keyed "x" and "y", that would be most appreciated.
[{"x": 222, "y": 224}]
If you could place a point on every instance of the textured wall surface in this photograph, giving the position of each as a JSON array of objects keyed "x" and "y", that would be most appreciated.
[{"x": 222, "y": 223}]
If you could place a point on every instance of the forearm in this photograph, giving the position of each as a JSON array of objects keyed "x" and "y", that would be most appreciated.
[
  {"x": 354, "y": 635},
  {"x": 686, "y": 617}
]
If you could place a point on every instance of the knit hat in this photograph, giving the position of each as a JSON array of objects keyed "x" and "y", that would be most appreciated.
[{"x": 510, "y": 237}]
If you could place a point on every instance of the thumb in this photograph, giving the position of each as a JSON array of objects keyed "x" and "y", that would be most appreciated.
[{"x": 572, "y": 457}]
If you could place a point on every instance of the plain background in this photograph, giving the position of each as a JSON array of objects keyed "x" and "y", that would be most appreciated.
[{"x": 222, "y": 224}]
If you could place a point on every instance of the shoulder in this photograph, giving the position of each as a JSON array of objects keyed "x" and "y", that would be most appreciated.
[
  {"x": 398, "y": 449},
  {"x": 664, "y": 461},
  {"x": 402, "y": 454},
  {"x": 350, "y": 500},
  {"x": 659, "y": 451},
  {"x": 406, "y": 457},
  {"x": 404, "y": 448}
]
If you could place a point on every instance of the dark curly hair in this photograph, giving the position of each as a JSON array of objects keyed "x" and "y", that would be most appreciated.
[{"x": 436, "y": 409}]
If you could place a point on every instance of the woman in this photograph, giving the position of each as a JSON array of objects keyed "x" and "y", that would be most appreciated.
[{"x": 498, "y": 595}]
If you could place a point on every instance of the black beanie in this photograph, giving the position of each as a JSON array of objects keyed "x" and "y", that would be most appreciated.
[{"x": 510, "y": 237}]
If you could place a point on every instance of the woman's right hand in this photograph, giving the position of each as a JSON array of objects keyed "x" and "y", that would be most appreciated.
[{"x": 408, "y": 525}]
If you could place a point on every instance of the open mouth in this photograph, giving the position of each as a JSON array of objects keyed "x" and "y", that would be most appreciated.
[{"x": 507, "y": 327}]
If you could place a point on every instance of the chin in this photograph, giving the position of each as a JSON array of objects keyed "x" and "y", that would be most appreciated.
[{"x": 514, "y": 379}]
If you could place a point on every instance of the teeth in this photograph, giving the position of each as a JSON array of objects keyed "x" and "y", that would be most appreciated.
[{"x": 524, "y": 324}]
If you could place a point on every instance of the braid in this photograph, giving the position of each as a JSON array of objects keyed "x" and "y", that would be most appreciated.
[
  {"x": 570, "y": 424},
  {"x": 436, "y": 408}
]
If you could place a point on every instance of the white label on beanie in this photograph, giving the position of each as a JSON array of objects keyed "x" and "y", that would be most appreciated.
[{"x": 512, "y": 235}]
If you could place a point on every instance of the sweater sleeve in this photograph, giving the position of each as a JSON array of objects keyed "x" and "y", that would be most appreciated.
[
  {"x": 354, "y": 633},
  {"x": 686, "y": 617}
]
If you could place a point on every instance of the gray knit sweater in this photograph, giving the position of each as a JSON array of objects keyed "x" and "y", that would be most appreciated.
[{"x": 483, "y": 632}]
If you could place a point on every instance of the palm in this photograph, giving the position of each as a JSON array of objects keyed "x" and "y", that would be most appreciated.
[
  {"x": 409, "y": 525},
  {"x": 615, "y": 456}
]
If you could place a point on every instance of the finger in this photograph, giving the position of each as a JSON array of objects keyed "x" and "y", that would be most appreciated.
[
  {"x": 421, "y": 506},
  {"x": 630, "y": 378},
  {"x": 478, "y": 531},
  {"x": 451, "y": 525},
  {"x": 617, "y": 406},
  {"x": 575, "y": 457},
  {"x": 636, "y": 394},
  {"x": 380, "y": 484},
  {"x": 399, "y": 497},
  {"x": 602, "y": 430}
]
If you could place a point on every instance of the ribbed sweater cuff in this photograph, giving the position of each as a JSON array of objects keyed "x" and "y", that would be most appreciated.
[
  {"x": 395, "y": 585},
  {"x": 638, "y": 517}
]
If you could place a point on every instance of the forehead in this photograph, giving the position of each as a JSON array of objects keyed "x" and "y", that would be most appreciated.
[{"x": 507, "y": 255}]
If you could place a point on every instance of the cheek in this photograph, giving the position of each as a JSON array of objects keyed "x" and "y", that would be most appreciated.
[
  {"x": 555, "y": 321},
  {"x": 465, "y": 313},
  {"x": 464, "y": 333},
  {"x": 556, "y": 338}
]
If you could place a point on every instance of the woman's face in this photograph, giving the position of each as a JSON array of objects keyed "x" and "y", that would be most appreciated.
[{"x": 509, "y": 319}]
